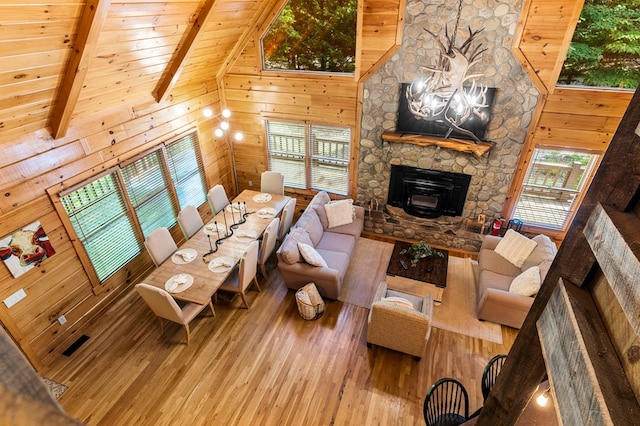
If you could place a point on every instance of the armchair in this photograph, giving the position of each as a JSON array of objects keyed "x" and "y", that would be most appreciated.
[{"x": 399, "y": 327}]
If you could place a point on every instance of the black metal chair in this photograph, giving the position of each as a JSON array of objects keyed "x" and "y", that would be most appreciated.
[
  {"x": 490, "y": 374},
  {"x": 446, "y": 403}
]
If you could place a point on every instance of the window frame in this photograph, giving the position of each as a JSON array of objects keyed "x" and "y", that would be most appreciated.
[
  {"x": 69, "y": 186},
  {"x": 310, "y": 156}
]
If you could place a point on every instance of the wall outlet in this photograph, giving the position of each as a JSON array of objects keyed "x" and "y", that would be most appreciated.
[
  {"x": 15, "y": 298},
  {"x": 62, "y": 320},
  {"x": 250, "y": 184}
]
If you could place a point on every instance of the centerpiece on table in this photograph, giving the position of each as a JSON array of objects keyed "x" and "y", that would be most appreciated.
[{"x": 420, "y": 250}]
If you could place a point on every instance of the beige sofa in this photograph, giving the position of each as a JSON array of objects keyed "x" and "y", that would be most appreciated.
[
  {"x": 335, "y": 245},
  {"x": 495, "y": 303}
]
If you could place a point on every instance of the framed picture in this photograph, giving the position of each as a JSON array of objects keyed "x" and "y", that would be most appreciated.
[{"x": 25, "y": 248}]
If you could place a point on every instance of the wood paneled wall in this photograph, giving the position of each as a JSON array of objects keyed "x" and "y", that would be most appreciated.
[
  {"x": 256, "y": 95},
  {"x": 60, "y": 286},
  {"x": 567, "y": 117}
]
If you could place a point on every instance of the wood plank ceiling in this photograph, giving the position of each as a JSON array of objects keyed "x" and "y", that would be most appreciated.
[{"x": 66, "y": 60}]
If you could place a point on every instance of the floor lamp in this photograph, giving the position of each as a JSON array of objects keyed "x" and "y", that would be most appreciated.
[{"x": 223, "y": 129}]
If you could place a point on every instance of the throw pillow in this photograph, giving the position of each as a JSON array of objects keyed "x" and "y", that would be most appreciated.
[
  {"x": 515, "y": 247},
  {"x": 339, "y": 212},
  {"x": 527, "y": 283},
  {"x": 311, "y": 255},
  {"x": 398, "y": 301}
]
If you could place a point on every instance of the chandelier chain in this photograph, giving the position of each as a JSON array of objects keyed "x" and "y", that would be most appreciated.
[{"x": 455, "y": 29}]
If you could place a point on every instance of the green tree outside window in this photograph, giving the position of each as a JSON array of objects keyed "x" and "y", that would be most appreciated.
[
  {"x": 313, "y": 35},
  {"x": 605, "y": 50}
]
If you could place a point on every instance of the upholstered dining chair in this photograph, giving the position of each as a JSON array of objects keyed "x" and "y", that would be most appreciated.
[
  {"x": 160, "y": 245},
  {"x": 241, "y": 277},
  {"x": 217, "y": 198},
  {"x": 286, "y": 219},
  {"x": 190, "y": 221},
  {"x": 268, "y": 244},
  {"x": 490, "y": 374},
  {"x": 164, "y": 306},
  {"x": 446, "y": 403},
  {"x": 272, "y": 182}
]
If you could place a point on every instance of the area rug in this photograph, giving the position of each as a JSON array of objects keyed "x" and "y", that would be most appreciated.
[
  {"x": 457, "y": 313},
  {"x": 56, "y": 389}
]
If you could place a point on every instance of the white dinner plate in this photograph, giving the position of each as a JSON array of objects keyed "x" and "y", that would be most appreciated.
[
  {"x": 266, "y": 212},
  {"x": 210, "y": 229},
  {"x": 216, "y": 264},
  {"x": 175, "y": 287},
  {"x": 245, "y": 236},
  {"x": 262, "y": 198},
  {"x": 180, "y": 259}
]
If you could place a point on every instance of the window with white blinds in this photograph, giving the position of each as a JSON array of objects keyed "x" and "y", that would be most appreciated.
[
  {"x": 103, "y": 223},
  {"x": 185, "y": 165},
  {"x": 310, "y": 156},
  {"x": 100, "y": 210},
  {"x": 149, "y": 194}
]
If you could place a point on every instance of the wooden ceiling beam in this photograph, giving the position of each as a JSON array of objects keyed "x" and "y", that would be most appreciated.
[
  {"x": 91, "y": 21},
  {"x": 175, "y": 66}
]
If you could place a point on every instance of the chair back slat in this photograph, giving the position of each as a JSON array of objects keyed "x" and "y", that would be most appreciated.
[{"x": 446, "y": 403}]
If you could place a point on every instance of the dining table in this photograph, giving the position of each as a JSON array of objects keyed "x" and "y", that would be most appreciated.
[{"x": 202, "y": 263}]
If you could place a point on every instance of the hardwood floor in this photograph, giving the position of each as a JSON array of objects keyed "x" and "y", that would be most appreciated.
[{"x": 265, "y": 365}]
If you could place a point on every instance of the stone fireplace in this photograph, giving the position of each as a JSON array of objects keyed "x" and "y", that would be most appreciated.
[{"x": 490, "y": 173}]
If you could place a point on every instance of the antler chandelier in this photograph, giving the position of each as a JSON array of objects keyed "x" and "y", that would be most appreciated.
[{"x": 441, "y": 94}]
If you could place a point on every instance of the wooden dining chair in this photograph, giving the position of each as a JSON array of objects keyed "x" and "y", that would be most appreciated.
[
  {"x": 272, "y": 182},
  {"x": 190, "y": 221},
  {"x": 164, "y": 306},
  {"x": 241, "y": 277},
  {"x": 446, "y": 403},
  {"x": 490, "y": 374},
  {"x": 160, "y": 245},
  {"x": 286, "y": 219},
  {"x": 217, "y": 198},
  {"x": 268, "y": 244}
]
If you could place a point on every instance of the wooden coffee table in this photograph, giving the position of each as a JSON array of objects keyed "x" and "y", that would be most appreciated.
[{"x": 428, "y": 276}]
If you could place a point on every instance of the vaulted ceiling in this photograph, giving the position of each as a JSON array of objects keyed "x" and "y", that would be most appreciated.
[{"x": 65, "y": 59}]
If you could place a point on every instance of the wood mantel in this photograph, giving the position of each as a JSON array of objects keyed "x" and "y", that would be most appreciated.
[{"x": 456, "y": 144}]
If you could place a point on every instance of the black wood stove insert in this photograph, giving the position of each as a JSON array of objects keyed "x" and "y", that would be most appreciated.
[{"x": 428, "y": 193}]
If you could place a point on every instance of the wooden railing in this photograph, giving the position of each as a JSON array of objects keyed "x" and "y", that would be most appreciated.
[{"x": 553, "y": 180}]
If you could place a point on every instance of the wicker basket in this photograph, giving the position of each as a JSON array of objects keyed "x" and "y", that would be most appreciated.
[{"x": 310, "y": 304}]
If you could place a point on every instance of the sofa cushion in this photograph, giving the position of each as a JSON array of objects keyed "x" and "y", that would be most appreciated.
[
  {"x": 288, "y": 251},
  {"x": 335, "y": 260},
  {"x": 527, "y": 283},
  {"x": 545, "y": 250},
  {"x": 416, "y": 301},
  {"x": 310, "y": 255},
  {"x": 515, "y": 247},
  {"x": 311, "y": 222},
  {"x": 397, "y": 301},
  {"x": 339, "y": 212},
  {"x": 317, "y": 203},
  {"x": 492, "y": 261},
  {"x": 342, "y": 243}
]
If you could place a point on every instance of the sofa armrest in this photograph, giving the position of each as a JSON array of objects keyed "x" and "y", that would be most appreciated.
[
  {"x": 502, "y": 307},
  {"x": 328, "y": 280},
  {"x": 359, "y": 210},
  {"x": 489, "y": 242}
]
